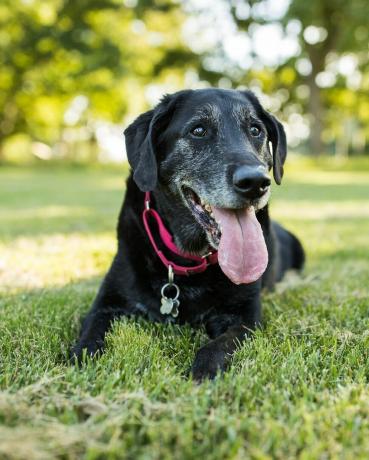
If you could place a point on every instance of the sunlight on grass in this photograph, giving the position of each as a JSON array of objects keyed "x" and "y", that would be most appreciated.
[
  {"x": 54, "y": 260},
  {"x": 44, "y": 212},
  {"x": 324, "y": 211}
]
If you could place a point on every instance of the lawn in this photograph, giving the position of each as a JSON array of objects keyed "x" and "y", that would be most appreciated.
[{"x": 298, "y": 390}]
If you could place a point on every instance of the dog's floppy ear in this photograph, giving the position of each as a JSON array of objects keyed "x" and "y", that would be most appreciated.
[
  {"x": 140, "y": 151},
  {"x": 141, "y": 138},
  {"x": 276, "y": 135}
]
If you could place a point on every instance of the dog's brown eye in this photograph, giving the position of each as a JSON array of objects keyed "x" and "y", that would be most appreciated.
[
  {"x": 198, "y": 131},
  {"x": 255, "y": 131}
]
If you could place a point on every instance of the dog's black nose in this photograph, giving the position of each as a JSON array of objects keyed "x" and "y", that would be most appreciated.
[{"x": 250, "y": 181}]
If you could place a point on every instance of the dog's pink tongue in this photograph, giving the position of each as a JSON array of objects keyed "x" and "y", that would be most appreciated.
[{"x": 242, "y": 253}]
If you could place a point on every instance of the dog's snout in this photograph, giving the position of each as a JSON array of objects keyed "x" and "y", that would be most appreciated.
[{"x": 251, "y": 181}]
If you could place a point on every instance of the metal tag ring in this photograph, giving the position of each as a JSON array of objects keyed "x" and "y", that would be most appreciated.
[
  {"x": 170, "y": 285},
  {"x": 170, "y": 274}
]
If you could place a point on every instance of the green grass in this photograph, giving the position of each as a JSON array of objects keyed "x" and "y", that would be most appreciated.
[{"x": 298, "y": 390}]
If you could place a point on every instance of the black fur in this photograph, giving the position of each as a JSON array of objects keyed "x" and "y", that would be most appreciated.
[{"x": 164, "y": 156}]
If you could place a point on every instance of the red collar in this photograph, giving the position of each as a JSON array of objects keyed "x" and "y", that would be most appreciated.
[{"x": 167, "y": 239}]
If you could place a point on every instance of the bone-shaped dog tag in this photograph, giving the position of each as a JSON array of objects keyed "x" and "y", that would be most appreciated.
[
  {"x": 169, "y": 307},
  {"x": 166, "y": 306}
]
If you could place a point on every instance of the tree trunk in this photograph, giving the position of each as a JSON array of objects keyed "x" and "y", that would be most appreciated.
[{"x": 317, "y": 54}]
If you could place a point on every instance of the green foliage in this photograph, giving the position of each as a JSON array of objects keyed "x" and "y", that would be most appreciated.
[
  {"x": 345, "y": 32},
  {"x": 337, "y": 109},
  {"x": 66, "y": 66},
  {"x": 298, "y": 390},
  {"x": 51, "y": 52}
]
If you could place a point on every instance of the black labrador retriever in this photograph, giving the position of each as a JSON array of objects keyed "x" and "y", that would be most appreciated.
[{"x": 199, "y": 248}]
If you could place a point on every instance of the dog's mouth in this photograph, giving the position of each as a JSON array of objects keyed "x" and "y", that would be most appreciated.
[
  {"x": 203, "y": 213},
  {"x": 236, "y": 233}
]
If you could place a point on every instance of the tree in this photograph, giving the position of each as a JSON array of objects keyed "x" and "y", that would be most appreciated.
[
  {"x": 330, "y": 28},
  {"x": 309, "y": 80},
  {"x": 52, "y": 52}
]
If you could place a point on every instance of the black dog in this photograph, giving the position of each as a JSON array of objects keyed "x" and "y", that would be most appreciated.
[{"x": 205, "y": 155}]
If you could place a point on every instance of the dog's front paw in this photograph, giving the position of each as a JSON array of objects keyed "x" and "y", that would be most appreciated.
[
  {"x": 210, "y": 360},
  {"x": 82, "y": 350}
]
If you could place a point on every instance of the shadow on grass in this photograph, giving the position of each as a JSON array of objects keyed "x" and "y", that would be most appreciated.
[
  {"x": 47, "y": 202},
  {"x": 86, "y": 220}
]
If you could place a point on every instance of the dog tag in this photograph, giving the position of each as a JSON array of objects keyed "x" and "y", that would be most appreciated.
[
  {"x": 169, "y": 306},
  {"x": 166, "y": 306},
  {"x": 175, "y": 311}
]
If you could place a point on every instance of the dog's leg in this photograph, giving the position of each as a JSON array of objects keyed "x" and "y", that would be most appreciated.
[
  {"x": 107, "y": 306},
  {"x": 291, "y": 254},
  {"x": 215, "y": 356}
]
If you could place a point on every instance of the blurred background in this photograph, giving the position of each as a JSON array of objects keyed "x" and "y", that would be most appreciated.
[{"x": 74, "y": 73}]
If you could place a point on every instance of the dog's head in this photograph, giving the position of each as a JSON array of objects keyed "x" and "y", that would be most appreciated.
[{"x": 211, "y": 149}]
